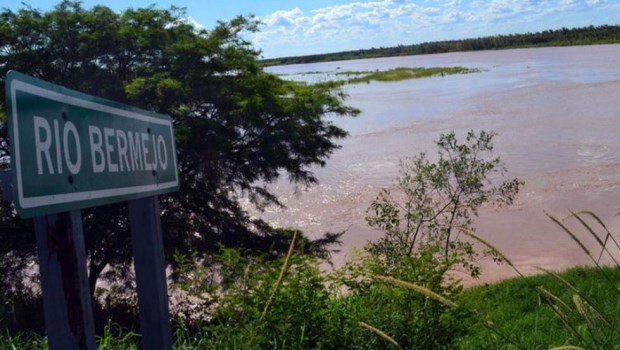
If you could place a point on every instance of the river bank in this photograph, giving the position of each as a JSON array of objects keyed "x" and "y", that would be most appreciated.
[{"x": 556, "y": 113}]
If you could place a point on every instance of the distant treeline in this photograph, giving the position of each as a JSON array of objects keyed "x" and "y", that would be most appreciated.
[{"x": 605, "y": 34}]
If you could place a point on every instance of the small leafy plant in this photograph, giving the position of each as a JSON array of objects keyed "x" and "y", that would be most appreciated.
[{"x": 432, "y": 199}]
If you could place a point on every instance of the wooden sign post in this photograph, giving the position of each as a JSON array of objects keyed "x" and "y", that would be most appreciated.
[
  {"x": 71, "y": 151},
  {"x": 64, "y": 282},
  {"x": 148, "y": 254}
]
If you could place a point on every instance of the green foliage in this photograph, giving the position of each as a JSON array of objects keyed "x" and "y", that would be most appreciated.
[
  {"x": 238, "y": 127},
  {"x": 309, "y": 310},
  {"x": 296, "y": 315},
  {"x": 512, "y": 307},
  {"x": 605, "y": 34},
  {"x": 21, "y": 311},
  {"x": 246, "y": 302},
  {"x": 252, "y": 302},
  {"x": 417, "y": 248},
  {"x": 411, "y": 319}
]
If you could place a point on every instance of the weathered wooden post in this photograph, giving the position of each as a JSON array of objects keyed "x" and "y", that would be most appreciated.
[
  {"x": 64, "y": 281},
  {"x": 7, "y": 185},
  {"x": 71, "y": 151},
  {"x": 148, "y": 253}
]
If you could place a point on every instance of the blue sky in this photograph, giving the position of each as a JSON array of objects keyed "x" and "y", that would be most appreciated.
[{"x": 318, "y": 26}]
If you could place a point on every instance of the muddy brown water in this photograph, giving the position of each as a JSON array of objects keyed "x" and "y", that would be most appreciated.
[{"x": 557, "y": 113}]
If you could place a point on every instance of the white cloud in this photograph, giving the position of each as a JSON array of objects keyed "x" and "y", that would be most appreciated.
[
  {"x": 352, "y": 21},
  {"x": 363, "y": 24},
  {"x": 285, "y": 18},
  {"x": 187, "y": 20},
  {"x": 191, "y": 21}
]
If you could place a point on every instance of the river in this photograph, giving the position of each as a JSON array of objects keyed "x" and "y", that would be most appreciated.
[{"x": 557, "y": 115}]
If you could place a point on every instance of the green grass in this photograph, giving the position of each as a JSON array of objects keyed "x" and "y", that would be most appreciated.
[
  {"x": 515, "y": 309},
  {"x": 392, "y": 75},
  {"x": 349, "y": 73},
  {"x": 22, "y": 341},
  {"x": 406, "y": 73},
  {"x": 396, "y": 74}
]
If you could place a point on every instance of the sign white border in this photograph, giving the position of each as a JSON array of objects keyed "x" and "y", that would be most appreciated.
[{"x": 40, "y": 201}]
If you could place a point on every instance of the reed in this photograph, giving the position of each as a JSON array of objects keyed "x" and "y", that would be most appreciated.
[
  {"x": 280, "y": 277},
  {"x": 592, "y": 317},
  {"x": 550, "y": 297},
  {"x": 380, "y": 333},
  {"x": 608, "y": 234},
  {"x": 443, "y": 300},
  {"x": 559, "y": 278},
  {"x": 589, "y": 314},
  {"x": 599, "y": 327},
  {"x": 474, "y": 236},
  {"x": 586, "y": 308},
  {"x": 565, "y": 321},
  {"x": 275, "y": 288},
  {"x": 572, "y": 235},
  {"x": 600, "y": 222},
  {"x": 582, "y": 246},
  {"x": 422, "y": 290}
]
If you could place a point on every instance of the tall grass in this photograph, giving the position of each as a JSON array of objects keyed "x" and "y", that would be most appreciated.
[
  {"x": 116, "y": 338},
  {"x": 290, "y": 304},
  {"x": 380, "y": 333}
]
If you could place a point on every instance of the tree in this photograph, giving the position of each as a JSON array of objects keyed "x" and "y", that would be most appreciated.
[
  {"x": 434, "y": 199},
  {"x": 237, "y": 127}
]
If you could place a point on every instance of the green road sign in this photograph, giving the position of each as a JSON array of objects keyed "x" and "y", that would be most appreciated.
[{"x": 71, "y": 150}]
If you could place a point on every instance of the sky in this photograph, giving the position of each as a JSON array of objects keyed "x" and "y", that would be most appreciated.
[{"x": 302, "y": 27}]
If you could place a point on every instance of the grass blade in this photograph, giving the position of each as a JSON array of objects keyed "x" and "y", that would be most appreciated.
[
  {"x": 379, "y": 333},
  {"x": 595, "y": 217},
  {"x": 596, "y": 237},
  {"x": 565, "y": 321},
  {"x": 582, "y": 296},
  {"x": 422, "y": 290},
  {"x": 471, "y": 234},
  {"x": 589, "y": 313},
  {"x": 550, "y": 297},
  {"x": 280, "y": 276},
  {"x": 572, "y": 235},
  {"x": 432, "y": 295}
]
